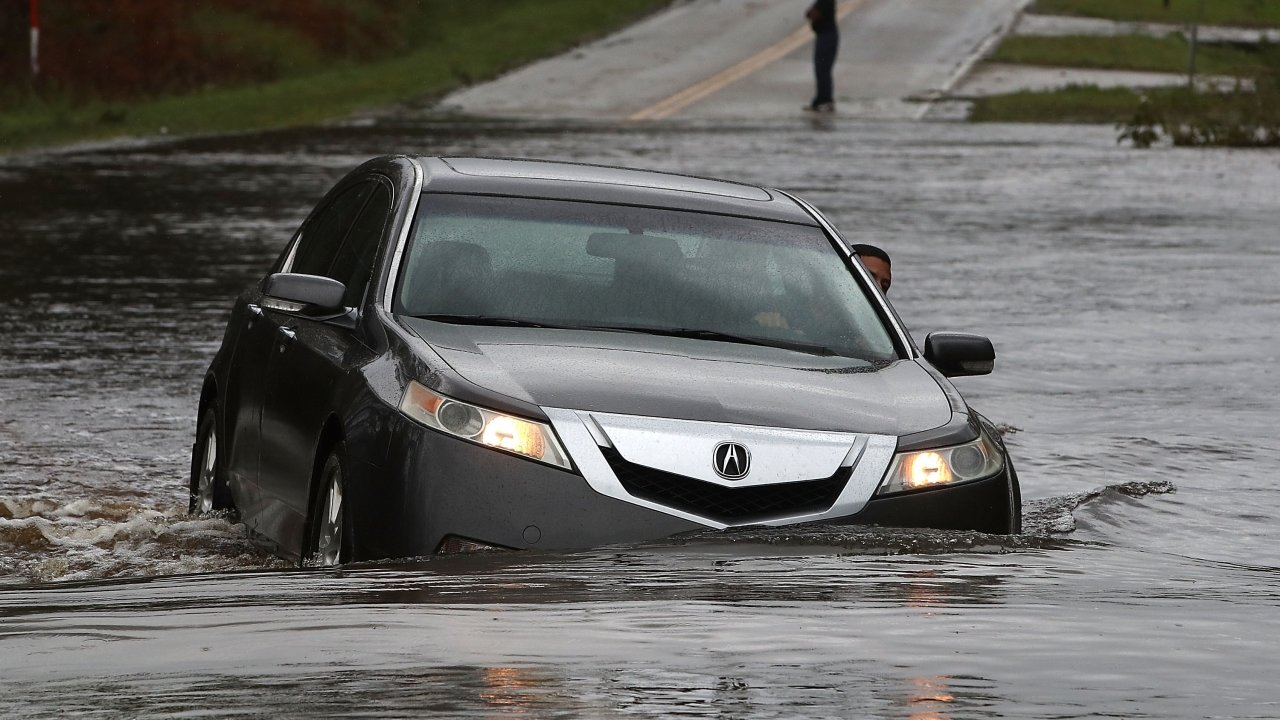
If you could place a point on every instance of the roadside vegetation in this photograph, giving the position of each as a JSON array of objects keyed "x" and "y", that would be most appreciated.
[
  {"x": 1138, "y": 52},
  {"x": 1239, "y": 107},
  {"x": 149, "y": 67},
  {"x": 1237, "y": 13},
  {"x": 1072, "y": 104}
]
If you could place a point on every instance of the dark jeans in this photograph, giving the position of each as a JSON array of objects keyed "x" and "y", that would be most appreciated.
[{"x": 825, "y": 46}]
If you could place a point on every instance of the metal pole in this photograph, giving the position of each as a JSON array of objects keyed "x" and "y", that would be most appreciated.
[
  {"x": 35, "y": 38},
  {"x": 1191, "y": 60}
]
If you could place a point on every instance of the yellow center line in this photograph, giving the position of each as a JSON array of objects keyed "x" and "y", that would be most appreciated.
[{"x": 673, "y": 104}]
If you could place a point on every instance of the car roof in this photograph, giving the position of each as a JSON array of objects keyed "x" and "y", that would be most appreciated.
[{"x": 604, "y": 184}]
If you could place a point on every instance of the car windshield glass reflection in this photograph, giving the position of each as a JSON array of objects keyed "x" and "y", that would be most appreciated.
[{"x": 518, "y": 261}]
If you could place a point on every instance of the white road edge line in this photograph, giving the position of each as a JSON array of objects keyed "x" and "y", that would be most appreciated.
[{"x": 979, "y": 52}]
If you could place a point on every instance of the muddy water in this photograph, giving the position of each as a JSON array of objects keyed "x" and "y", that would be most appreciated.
[{"x": 1133, "y": 301}]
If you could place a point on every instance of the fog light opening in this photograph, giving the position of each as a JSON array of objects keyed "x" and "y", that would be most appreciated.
[{"x": 455, "y": 545}]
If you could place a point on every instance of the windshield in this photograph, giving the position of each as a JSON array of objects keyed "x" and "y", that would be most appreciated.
[{"x": 553, "y": 263}]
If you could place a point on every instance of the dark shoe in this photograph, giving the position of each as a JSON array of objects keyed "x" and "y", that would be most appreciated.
[{"x": 825, "y": 107}]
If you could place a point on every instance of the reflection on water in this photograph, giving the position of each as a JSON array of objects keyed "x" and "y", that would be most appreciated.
[
  {"x": 1128, "y": 295},
  {"x": 663, "y": 632},
  {"x": 931, "y": 699},
  {"x": 487, "y": 692}
]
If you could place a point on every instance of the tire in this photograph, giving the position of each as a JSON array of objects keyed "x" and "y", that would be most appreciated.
[
  {"x": 1013, "y": 516},
  {"x": 329, "y": 528},
  {"x": 208, "y": 484},
  {"x": 1015, "y": 503}
]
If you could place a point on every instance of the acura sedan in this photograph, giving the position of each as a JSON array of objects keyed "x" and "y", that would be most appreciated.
[{"x": 460, "y": 354}]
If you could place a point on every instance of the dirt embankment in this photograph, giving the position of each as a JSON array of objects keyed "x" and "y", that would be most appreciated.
[{"x": 124, "y": 49}]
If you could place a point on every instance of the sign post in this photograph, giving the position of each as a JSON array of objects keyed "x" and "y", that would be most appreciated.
[
  {"x": 35, "y": 38},
  {"x": 1191, "y": 50}
]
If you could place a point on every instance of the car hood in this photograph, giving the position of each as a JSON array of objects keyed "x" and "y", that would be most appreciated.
[{"x": 637, "y": 374}]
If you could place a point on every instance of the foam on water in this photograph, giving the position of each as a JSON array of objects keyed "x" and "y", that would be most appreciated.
[{"x": 44, "y": 540}]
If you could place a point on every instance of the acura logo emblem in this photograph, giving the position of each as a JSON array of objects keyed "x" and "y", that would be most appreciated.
[{"x": 731, "y": 460}]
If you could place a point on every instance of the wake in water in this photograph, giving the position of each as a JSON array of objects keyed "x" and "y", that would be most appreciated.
[
  {"x": 44, "y": 540},
  {"x": 1056, "y": 516}
]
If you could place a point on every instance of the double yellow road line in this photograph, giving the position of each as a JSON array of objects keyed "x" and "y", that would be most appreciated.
[{"x": 673, "y": 104}]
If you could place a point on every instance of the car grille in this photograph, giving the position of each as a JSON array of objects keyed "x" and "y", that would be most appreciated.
[{"x": 723, "y": 504}]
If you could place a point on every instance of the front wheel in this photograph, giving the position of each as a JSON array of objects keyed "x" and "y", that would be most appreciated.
[
  {"x": 1015, "y": 502},
  {"x": 329, "y": 543},
  {"x": 208, "y": 484}
]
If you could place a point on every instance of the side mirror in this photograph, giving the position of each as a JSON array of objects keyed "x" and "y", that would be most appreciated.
[
  {"x": 958, "y": 354},
  {"x": 318, "y": 294}
]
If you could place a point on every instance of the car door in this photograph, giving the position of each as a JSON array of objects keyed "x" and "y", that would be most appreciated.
[
  {"x": 260, "y": 323},
  {"x": 306, "y": 371},
  {"x": 255, "y": 338}
]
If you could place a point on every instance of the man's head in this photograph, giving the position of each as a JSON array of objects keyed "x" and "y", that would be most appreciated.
[{"x": 877, "y": 262}]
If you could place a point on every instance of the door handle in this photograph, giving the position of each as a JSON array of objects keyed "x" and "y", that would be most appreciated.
[{"x": 287, "y": 336}]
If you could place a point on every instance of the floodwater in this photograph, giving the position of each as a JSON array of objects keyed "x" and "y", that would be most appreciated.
[{"x": 1133, "y": 300}]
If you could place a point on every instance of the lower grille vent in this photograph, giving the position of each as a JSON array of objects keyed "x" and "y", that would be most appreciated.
[{"x": 723, "y": 504}]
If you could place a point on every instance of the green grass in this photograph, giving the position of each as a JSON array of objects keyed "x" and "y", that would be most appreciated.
[
  {"x": 1247, "y": 115},
  {"x": 1134, "y": 52},
  {"x": 1176, "y": 114},
  {"x": 457, "y": 43},
  {"x": 1240, "y": 13}
]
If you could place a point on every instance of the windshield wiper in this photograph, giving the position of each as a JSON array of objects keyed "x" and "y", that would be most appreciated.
[
  {"x": 492, "y": 320},
  {"x": 695, "y": 333},
  {"x": 704, "y": 334}
]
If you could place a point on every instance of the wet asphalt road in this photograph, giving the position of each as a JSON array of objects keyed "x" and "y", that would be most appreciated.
[
  {"x": 753, "y": 59},
  {"x": 1132, "y": 300}
]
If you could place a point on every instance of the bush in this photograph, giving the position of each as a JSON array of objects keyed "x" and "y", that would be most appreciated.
[{"x": 1246, "y": 116}]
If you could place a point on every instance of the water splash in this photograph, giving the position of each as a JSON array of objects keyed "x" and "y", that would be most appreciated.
[
  {"x": 43, "y": 540},
  {"x": 1056, "y": 515}
]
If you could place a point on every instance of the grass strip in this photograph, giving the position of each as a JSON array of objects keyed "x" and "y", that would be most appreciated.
[
  {"x": 458, "y": 47},
  {"x": 1072, "y": 104},
  {"x": 1238, "y": 13},
  {"x": 1136, "y": 52},
  {"x": 1178, "y": 115}
]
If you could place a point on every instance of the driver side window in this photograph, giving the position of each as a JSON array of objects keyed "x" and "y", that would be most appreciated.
[
  {"x": 354, "y": 262},
  {"x": 323, "y": 234}
]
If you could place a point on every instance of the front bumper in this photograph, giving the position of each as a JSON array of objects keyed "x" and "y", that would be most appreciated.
[
  {"x": 430, "y": 486},
  {"x": 989, "y": 505}
]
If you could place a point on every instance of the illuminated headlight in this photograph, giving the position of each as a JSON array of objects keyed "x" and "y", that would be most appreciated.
[
  {"x": 943, "y": 466},
  {"x": 483, "y": 426}
]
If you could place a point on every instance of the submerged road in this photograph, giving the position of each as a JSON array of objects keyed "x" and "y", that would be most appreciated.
[
  {"x": 1129, "y": 295},
  {"x": 751, "y": 59}
]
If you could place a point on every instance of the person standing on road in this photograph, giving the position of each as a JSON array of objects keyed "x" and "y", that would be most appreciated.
[{"x": 822, "y": 18}]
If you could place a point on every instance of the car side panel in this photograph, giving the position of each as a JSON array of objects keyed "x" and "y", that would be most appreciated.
[
  {"x": 310, "y": 358},
  {"x": 249, "y": 339},
  {"x": 304, "y": 375}
]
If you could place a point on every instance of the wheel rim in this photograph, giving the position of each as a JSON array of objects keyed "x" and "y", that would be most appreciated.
[
  {"x": 329, "y": 536},
  {"x": 208, "y": 472}
]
